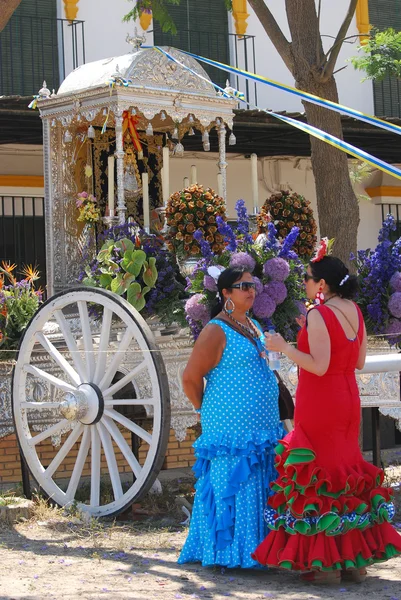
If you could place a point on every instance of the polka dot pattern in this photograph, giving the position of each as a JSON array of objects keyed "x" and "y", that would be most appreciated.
[{"x": 235, "y": 458}]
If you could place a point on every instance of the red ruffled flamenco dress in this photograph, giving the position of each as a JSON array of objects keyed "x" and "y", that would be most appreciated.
[{"x": 330, "y": 510}]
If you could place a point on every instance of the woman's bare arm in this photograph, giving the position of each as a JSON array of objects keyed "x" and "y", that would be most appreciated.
[
  {"x": 205, "y": 356},
  {"x": 362, "y": 350}
]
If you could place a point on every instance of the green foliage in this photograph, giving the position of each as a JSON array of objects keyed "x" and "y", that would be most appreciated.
[
  {"x": 124, "y": 270},
  {"x": 380, "y": 56},
  {"x": 160, "y": 12}
]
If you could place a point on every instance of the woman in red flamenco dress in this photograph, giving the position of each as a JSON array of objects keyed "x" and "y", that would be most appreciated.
[{"x": 330, "y": 514}]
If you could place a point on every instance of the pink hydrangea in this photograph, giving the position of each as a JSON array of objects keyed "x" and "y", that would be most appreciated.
[
  {"x": 276, "y": 290},
  {"x": 196, "y": 309},
  {"x": 394, "y": 305},
  {"x": 395, "y": 282},
  {"x": 277, "y": 269},
  {"x": 264, "y": 306},
  {"x": 258, "y": 285},
  {"x": 243, "y": 259}
]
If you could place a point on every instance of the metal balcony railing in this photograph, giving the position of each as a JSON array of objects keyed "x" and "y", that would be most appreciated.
[{"x": 33, "y": 49}]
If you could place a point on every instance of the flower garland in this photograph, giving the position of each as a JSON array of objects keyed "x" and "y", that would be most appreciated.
[{"x": 191, "y": 209}]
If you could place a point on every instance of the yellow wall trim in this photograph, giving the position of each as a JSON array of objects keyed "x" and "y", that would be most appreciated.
[
  {"x": 35, "y": 181},
  {"x": 71, "y": 9},
  {"x": 240, "y": 15},
  {"x": 362, "y": 20},
  {"x": 392, "y": 191}
]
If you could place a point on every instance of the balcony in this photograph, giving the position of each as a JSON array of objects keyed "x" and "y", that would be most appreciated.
[
  {"x": 33, "y": 49},
  {"x": 228, "y": 48}
]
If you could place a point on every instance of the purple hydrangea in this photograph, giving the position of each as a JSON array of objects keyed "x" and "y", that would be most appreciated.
[
  {"x": 209, "y": 283},
  {"x": 394, "y": 305},
  {"x": 264, "y": 306},
  {"x": 196, "y": 309},
  {"x": 259, "y": 285},
  {"x": 395, "y": 281},
  {"x": 277, "y": 269},
  {"x": 394, "y": 328},
  {"x": 243, "y": 259},
  {"x": 301, "y": 307},
  {"x": 276, "y": 290}
]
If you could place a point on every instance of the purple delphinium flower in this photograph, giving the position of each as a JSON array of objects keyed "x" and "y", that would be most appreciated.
[
  {"x": 276, "y": 290},
  {"x": 204, "y": 245},
  {"x": 272, "y": 241},
  {"x": 226, "y": 231},
  {"x": 259, "y": 285},
  {"x": 196, "y": 309},
  {"x": 264, "y": 306},
  {"x": 243, "y": 259},
  {"x": 394, "y": 305},
  {"x": 277, "y": 269},
  {"x": 209, "y": 283},
  {"x": 395, "y": 282},
  {"x": 394, "y": 328},
  {"x": 288, "y": 243},
  {"x": 243, "y": 221}
]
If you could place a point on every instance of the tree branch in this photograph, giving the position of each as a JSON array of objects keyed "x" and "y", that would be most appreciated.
[
  {"x": 277, "y": 37},
  {"x": 335, "y": 50},
  {"x": 7, "y": 8}
]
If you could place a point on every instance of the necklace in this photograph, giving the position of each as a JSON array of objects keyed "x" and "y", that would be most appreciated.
[
  {"x": 327, "y": 299},
  {"x": 249, "y": 329}
]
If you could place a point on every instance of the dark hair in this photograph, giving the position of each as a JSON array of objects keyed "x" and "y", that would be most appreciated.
[
  {"x": 333, "y": 271},
  {"x": 224, "y": 282}
]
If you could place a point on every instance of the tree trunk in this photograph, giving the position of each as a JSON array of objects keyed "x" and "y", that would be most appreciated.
[{"x": 7, "y": 8}]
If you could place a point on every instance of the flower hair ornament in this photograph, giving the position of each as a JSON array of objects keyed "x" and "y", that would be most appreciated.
[
  {"x": 343, "y": 280},
  {"x": 215, "y": 272},
  {"x": 325, "y": 248}
]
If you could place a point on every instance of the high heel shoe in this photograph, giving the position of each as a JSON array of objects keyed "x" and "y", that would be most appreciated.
[
  {"x": 322, "y": 577},
  {"x": 355, "y": 575}
]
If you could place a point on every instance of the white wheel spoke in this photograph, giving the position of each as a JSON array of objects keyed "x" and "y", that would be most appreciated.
[
  {"x": 48, "y": 432},
  {"x": 58, "y": 358},
  {"x": 71, "y": 344},
  {"x": 111, "y": 461},
  {"x": 116, "y": 361},
  {"x": 126, "y": 379},
  {"x": 131, "y": 402},
  {"x": 58, "y": 383},
  {"x": 40, "y": 405},
  {"x": 144, "y": 435},
  {"x": 95, "y": 467},
  {"x": 103, "y": 345},
  {"x": 78, "y": 467},
  {"x": 64, "y": 450},
  {"x": 87, "y": 338},
  {"x": 122, "y": 444}
]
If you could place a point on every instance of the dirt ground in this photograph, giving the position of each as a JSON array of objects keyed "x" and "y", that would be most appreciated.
[{"x": 54, "y": 556}]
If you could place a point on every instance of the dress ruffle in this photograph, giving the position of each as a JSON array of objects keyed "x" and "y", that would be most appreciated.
[
  {"x": 255, "y": 450},
  {"x": 318, "y": 516}
]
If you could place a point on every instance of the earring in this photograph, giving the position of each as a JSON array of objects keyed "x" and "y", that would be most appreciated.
[
  {"x": 319, "y": 298},
  {"x": 232, "y": 306}
]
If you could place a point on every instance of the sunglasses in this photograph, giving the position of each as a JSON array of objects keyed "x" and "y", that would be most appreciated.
[
  {"x": 244, "y": 286},
  {"x": 307, "y": 277}
]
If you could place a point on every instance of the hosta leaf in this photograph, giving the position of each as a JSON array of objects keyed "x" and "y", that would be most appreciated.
[
  {"x": 133, "y": 261},
  {"x": 150, "y": 272}
]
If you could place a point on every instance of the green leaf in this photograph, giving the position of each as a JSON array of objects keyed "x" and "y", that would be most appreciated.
[
  {"x": 135, "y": 296},
  {"x": 133, "y": 261},
  {"x": 116, "y": 285},
  {"x": 104, "y": 255},
  {"x": 105, "y": 280},
  {"x": 150, "y": 272},
  {"x": 124, "y": 245}
]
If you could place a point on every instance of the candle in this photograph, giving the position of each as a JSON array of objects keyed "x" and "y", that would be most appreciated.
[
  {"x": 110, "y": 166},
  {"x": 186, "y": 182},
  {"x": 145, "y": 202},
  {"x": 194, "y": 175},
  {"x": 254, "y": 182},
  {"x": 166, "y": 175},
  {"x": 220, "y": 184}
]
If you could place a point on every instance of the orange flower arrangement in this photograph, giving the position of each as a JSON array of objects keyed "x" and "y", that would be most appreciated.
[
  {"x": 289, "y": 209},
  {"x": 189, "y": 210}
]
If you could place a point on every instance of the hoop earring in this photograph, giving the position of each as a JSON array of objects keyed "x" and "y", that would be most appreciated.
[
  {"x": 226, "y": 309},
  {"x": 319, "y": 298}
]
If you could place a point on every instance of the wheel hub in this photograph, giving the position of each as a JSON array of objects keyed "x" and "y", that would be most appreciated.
[{"x": 85, "y": 404}]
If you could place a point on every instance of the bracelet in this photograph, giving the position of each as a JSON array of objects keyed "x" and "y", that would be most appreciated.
[{"x": 198, "y": 410}]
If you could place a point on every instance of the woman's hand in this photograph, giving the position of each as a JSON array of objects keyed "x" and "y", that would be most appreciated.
[
  {"x": 301, "y": 320},
  {"x": 275, "y": 342}
]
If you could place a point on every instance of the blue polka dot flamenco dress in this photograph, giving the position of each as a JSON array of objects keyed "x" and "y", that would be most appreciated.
[{"x": 235, "y": 457}]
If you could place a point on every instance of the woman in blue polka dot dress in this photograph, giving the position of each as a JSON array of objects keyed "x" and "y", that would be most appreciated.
[{"x": 240, "y": 429}]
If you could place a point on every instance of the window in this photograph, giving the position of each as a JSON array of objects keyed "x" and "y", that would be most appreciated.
[
  {"x": 202, "y": 29},
  {"x": 395, "y": 210},
  {"x": 387, "y": 93}
]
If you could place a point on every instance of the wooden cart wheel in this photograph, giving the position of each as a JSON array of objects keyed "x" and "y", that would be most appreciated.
[{"x": 80, "y": 353}]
